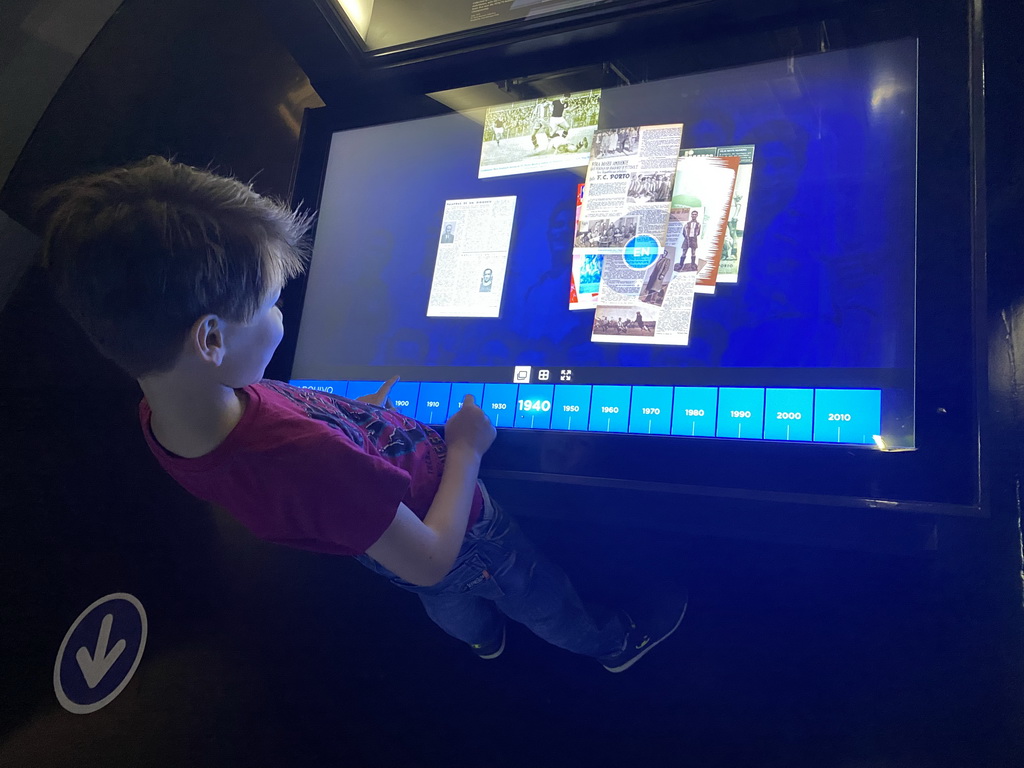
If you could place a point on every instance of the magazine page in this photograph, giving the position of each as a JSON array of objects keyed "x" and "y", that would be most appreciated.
[
  {"x": 650, "y": 305},
  {"x": 629, "y": 183},
  {"x": 585, "y": 276},
  {"x": 732, "y": 247},
  {"x": 472, "y": 254},
  {"x": 624, "y": 220},
  {"x": 539, "y": 135},
  {"x": 701, "y": 199}
]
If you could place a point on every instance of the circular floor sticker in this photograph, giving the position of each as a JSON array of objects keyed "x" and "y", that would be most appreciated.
[{"x": 100, "y": 653}]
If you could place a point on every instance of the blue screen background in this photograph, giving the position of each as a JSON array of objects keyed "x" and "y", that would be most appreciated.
[{"x": 827, "y": 270}]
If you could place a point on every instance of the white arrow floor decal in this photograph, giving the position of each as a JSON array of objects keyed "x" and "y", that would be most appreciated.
[{"x": 96, "y": 666}]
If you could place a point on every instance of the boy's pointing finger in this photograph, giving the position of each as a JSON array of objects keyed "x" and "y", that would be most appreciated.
[
  {"x": 380, "y": 397},
  {"x": 385, "y": 388}
]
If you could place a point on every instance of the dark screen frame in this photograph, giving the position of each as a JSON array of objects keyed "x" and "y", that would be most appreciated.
[{"x": 943, "y": 474}]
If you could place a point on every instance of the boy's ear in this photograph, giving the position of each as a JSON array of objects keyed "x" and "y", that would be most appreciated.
[{"x": 207, "y": 339}]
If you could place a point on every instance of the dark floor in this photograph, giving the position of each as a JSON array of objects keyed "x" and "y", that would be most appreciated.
[{"x": 788, "y": 657}]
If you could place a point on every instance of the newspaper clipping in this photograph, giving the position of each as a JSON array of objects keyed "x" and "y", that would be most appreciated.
[
  {"x": 586, "y": 268},
  {"x": 701, "y": 200},
  {"x": 539, "y": 135},
  {"x": 732, "y": 246},
  {"x": 472, "y": 254},
  {"x": 624, "y": 219}
]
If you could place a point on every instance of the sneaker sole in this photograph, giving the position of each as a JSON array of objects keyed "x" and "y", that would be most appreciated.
[
  {"x": 645, "y": 651},
  {"x": 498, "y": 652}
]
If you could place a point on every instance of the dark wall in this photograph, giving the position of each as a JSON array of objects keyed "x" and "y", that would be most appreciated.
[
  {"x": 85, "y": 510},
  {"x": 260, "y": 656},
  {"x": 206, "y": 82}
]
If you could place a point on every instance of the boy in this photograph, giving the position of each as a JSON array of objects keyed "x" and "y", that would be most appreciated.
[{"x": 176, "y": 274}]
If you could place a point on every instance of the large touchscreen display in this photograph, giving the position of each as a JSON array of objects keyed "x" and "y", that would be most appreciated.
[{"x": 723, "y": 255}]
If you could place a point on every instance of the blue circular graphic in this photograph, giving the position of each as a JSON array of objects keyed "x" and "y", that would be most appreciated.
[
  {"x": 641, "y": 251},
  {"x": 100, "y": 653}
]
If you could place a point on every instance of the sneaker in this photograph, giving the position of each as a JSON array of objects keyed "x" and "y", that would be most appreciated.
[
  {"x": 640, "y": 641},
  {"x": 491, "y": 650}
]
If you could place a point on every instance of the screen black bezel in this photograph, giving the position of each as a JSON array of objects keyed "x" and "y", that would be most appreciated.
[{"x": 942, "y": 474}]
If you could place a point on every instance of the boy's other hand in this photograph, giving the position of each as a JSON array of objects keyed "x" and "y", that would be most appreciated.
[
  {"x": 469, "y": 428},
  {"x": 380, "y": 397}
]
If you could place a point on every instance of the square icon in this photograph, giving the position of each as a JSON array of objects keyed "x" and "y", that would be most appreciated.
[
  {"x": 565, "y": 374},
  {"x": 543, "y": 374},
  {"x": 522, "y": 374}
]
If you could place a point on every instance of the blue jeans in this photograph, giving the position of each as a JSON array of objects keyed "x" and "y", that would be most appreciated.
[{"x": 499, "y": 573}]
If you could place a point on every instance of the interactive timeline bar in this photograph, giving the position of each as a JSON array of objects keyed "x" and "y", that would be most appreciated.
[{"x": 847, "y": 416}]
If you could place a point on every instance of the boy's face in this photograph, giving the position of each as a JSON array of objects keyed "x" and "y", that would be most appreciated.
[{"x": 250, "y": 346}]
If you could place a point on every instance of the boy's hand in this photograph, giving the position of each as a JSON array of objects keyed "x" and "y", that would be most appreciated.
[
  {"x": 380, "y": 397},
  {"x": 469, "y": 428}
]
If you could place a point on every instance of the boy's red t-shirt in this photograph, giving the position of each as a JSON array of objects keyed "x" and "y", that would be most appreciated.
[{"x": 314, "y": 470}]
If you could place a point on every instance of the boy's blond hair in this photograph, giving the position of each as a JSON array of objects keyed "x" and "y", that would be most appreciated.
[{"x": 138, "y": 254}]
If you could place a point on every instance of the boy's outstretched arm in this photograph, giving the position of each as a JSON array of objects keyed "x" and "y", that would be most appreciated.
[{"x": 423, "y": 551}]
